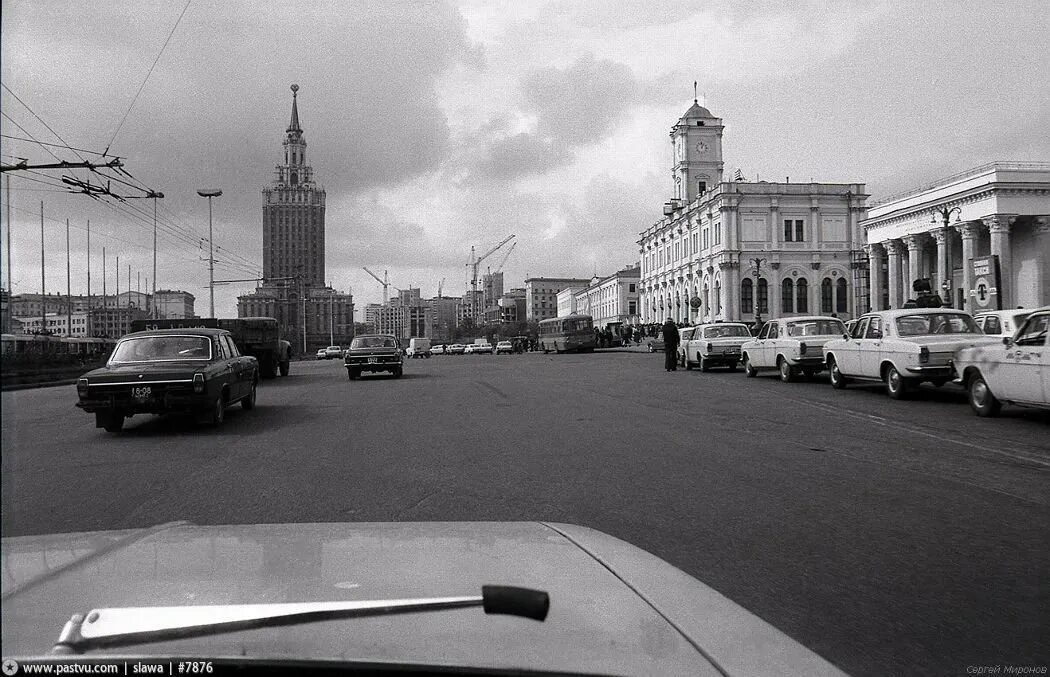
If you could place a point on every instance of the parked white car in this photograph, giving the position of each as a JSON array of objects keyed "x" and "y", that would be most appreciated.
[
  {"x": 1016, "y": 371},
  {"x": 1001, "y": 322},
  {"x": 791, "y": 345},
  {"x": 714, "y": 344},
  {"x": 505, "y": 347},
  {"x": 480, "y": 347},
  {"x": 902, "y": 348}
]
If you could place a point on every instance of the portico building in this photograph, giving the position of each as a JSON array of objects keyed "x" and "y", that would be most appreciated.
[{"x": 936, "y": 231}]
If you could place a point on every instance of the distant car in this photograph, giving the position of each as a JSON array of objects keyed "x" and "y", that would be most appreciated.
[
  {"x": 504, "y": 347},
  {"x": 791, "y": 345},
  {"x": 197, "y": 371},
  {"x": 902, "y": 348},
  {"x": 715, "y": 344},
  {"x": 333, "y": 352},
  {"x": 418, "y": 347},
  {"x": 479, "y": 348},
  {"x": 456, "y": 349},
  {"x": 1001, "y": 323},
  {"x": 1017, "y": 371},
  {"x": 439, "y": 349},
  {"x": 322, "y": 354},
  {"x": 468, "y": 348},
  {"x": 655, "y": 345},
  {"x": 373, "y": 353}
]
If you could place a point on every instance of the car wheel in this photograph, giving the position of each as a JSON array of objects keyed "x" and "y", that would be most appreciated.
[
  {"x": 787, "y": 373},
  {"x": 982, "y": 401},
  {"x": 651, "y": 348},
  {"x": 397, "y": 372},
  {"x": 248, "y": 403},
  {"x": 283, "y": 366},
  {"x": 352, "y": 374},
  {"x": 896, "y": 385},
  {"x": 110, "y": 421},
  {"x": 749, "y": 371},
  {"x": 732, "y": 366},
  {"x": 838, "y": 381},
  {"x": 218, "y": 411}
]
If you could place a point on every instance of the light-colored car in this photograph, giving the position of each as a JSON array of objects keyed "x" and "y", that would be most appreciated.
[
  {"x": 716, "y": 344},
  {"x": 1017, "y": 371},
  {"x": 418, "y": 347},
  {"x": 655, "y": 345},
  {"x": 684, "y": 334},
  {"x": 333, "y": 352},
  {"x": 456, "y": 349},
  {"x": 322, "y": 355},
  {"x": 468, "y": 348},
  {"x": 439, "y": 349},
  {"x": 1003, "y": 323},
  {"x": 791, "y": 345},
  {"x": 479, "y": 348},
  {"x": 504, "y": 347},
  {"x": 902, "y": 348}
]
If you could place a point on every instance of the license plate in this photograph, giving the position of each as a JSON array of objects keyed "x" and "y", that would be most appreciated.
[
  {"x": 141, "y": 392},
  {"x": 373, "y": 360}
]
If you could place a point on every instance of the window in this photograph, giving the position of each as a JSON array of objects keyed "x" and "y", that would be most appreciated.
[
  {"x": 825, "y": 296},
  {"x": 787, "y": 230},
  {"x": 631, "y": 288},
  {"x": 874, "y": 329},
  {"x": 1033, "y": 333},
  {"x": 787, "y": 296},
  {"x": 763, "y": 295},
  {"x": 841, "y": 296},
  {"x": 859, "y": 328},
  {"x": 695, "y": 241},
  {"x": 992, "y": 325},
  {"x": 799, "y": 231},
  {"x": 747, "y": 298},
  {"x": 794, "y": 231},
  {"x": 802, "y": 296},
  {"x": 701, "y": 187},
  {"x": 718, "y": 296}
]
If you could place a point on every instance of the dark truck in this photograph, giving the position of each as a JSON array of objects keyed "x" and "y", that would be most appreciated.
[{"x": 255, "y": 336}]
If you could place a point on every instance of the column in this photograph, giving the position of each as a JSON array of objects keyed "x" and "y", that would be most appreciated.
[
  {"x": 914, "y": 244},
  {"x": 894, "y": 249},
  {"x": 969, "y": 232},
  {"x": 940, "y": 236},
  {"x": 874, "y": 252},
  {"x": 772, "y": 291},
  {"x": 816, "y": 236},
  {"x": 774, "y": 217},
  {"x": 999, "y": 228},
  {"x": 730, "y": 285}
]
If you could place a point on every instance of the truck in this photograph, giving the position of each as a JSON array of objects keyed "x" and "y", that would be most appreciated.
[{"x": 256, "y": 336}]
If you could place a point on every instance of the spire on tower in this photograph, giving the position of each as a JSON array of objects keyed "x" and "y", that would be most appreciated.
[{"x": 293, "y": 126}]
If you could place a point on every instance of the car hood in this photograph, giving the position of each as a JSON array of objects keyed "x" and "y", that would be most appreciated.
[
  {"x": 180, "y": 369},
  {"x": 615, "y": 609}
]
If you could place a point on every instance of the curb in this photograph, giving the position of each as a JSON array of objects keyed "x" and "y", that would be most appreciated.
[{"x": 44, "y": 384}]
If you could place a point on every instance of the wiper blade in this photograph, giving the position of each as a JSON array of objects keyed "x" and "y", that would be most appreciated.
[{"x": 136, "y": 625}]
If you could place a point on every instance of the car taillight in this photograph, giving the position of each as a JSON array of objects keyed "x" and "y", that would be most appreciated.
[
  {"x": 924, "y": 355},
  {"x": 802, "y": 348},
  {"x": 710, "y": 347},
  {"x": 198, "y": 382},
  {"x": 82, "y": 386}
]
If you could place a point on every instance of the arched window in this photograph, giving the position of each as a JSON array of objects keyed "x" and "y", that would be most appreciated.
[
  {"x": 718, "y": 297},
  {"x": 841, "y": 294},
  {"x": 787, "y": 296},
  {"x": 763, "y": 295},
  {"x": 826, "y": 306},
  {"x": 747, "y": 296},
  {"x": 802, "y": 296},
  {"x": 707, "y": 299}
]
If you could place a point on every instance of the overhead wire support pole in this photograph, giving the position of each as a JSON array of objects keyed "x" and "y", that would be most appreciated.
[
  {"x": 153, "y": 298},
  {"x": 69, "y": 287},
  {"x": 43, "y": 292}
]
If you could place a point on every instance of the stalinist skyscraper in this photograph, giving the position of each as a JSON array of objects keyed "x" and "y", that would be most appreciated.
[{"x": 294, "y": 291}]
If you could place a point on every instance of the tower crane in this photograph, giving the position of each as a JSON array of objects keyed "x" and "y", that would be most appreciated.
[
  {"x": 474, "y": 263},
  {"x": 440, "y": 285},
  {"x": 505, "y": 257},
  {"x": 384, "y": 281}
]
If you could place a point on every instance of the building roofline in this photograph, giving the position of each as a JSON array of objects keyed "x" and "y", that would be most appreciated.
[{"x": 986, "y": 168}]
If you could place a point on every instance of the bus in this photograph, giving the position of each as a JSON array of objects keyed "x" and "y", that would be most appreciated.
[{"x": 569, "y": 333}]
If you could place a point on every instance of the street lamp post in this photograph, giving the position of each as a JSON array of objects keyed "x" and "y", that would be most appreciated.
[
  {"x": 210, "y": 193},
  {"x": 153, "y": 298},
  {"x": 757, "y": 262},
  {"x": 946, "y": 284}
]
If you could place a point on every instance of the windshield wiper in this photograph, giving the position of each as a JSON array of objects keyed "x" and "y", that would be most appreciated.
[{"x": 135, "y": 625}]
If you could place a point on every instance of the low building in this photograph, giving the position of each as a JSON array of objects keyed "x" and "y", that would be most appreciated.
[
  {"x": 113, "y": 322},
  {"x": 566, "y": 300},
  {"x": 611, "y": 301},
  {"x": 58, "y": 324},
  {"x": 541, "y": 295},
  {"x": 444, "y": 313},
  {"x": 173, "y": 304},
  {"x": 404, "y": 322},
  {"x": 981, "y": 236}
]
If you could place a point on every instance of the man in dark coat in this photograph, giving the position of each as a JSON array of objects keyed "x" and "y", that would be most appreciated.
[{"x": 671, "y": 340}]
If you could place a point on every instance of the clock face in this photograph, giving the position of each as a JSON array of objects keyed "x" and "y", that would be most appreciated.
[{"x": 701, "y": 147}]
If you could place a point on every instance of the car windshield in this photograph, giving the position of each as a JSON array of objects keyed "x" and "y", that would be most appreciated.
[
  {"x": 162, "y": 349},
  {"x": 373, "y": 342},
  {"x": 725, "y": 332},
  {"x": 936, "y": 323},
  {"x": 816, "y": 328}
]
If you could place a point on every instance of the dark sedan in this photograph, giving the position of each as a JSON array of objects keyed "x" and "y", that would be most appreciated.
[
  {"x": 198, "y": 371},
  {"x": 373, "y": 353}
]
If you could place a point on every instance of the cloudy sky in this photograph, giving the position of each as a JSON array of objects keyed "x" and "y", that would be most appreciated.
[{"x": 435, "y": 126}]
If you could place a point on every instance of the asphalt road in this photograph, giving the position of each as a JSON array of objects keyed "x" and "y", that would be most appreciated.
[{"x": 890, "y": 537}]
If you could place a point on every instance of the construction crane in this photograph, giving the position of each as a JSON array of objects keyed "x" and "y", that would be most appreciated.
[
  {"x": 440, "y": 285},
  {"x": 474, "y": 263},
  {"x": 505, "y": 257},
  {"x": 384, "y": 281}
]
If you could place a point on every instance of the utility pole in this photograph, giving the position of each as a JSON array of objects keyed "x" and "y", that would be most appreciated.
[
  {"x": 210, "y": 193},
  {"x": 129, "y": 285},
  {"x": 10, "y": 291},
  {"x": 43, "y": 294},
  {"x": 153, "y": 298},
  {"x": 88, "y": 328},
  {"x": 116, "y": 294},
  {"x": 69, "y": 287},
  {"x": 331, "y": 318}
]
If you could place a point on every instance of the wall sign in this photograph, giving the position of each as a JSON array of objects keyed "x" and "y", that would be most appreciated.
[{"x": 986, "y": 283}]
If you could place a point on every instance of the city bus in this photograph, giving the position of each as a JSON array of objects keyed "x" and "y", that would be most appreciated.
[{"x": 569, "y": 333}]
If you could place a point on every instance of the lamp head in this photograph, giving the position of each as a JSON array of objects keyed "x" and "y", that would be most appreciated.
[{"x": 209, "y": 192}]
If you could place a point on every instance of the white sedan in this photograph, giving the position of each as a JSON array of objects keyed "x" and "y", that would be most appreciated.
[
  {"x": 1017, "y": 371},
  {"x": 791, "y": 345},
  {"x": 902, "y": 348}
]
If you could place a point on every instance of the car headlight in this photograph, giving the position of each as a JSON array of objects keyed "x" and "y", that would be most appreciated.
[{"x": 82, "y": 387}]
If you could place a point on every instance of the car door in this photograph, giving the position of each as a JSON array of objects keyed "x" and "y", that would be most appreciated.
[
  {"x": 870, "y": 350},
  {"x": 848, "y": 356},
  {"x": 1023, "y": 374},
  {"x": 241, "y": 366},
  {"x": 685, "y": 344},
  {"x": 754, "y": 353}
]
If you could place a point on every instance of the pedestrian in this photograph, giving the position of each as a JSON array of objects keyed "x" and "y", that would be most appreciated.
[{"x": 670, "y": 346}]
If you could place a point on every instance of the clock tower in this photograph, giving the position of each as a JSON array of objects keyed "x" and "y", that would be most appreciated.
[{"x": 696, "y": 141}]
